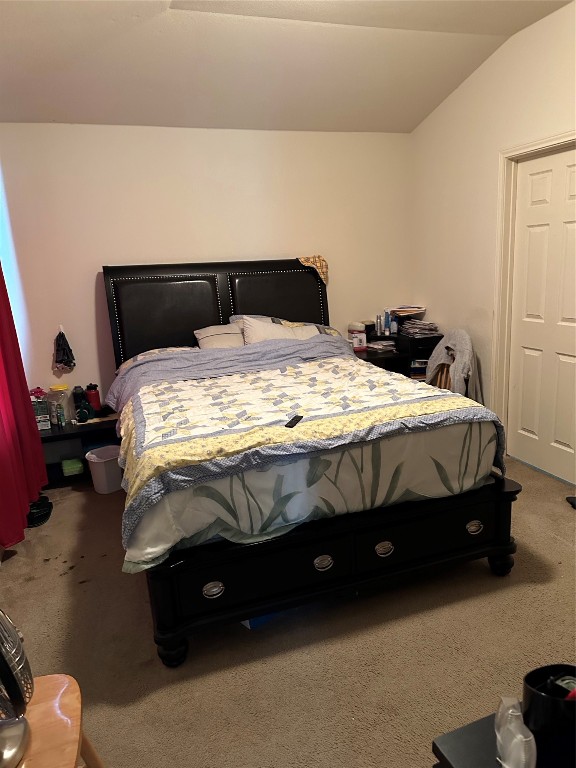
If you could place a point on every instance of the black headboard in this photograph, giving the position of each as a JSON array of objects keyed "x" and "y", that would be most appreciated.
[{"x": 161, "y": 305}]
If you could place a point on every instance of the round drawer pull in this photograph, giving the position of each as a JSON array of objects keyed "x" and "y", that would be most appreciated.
[
  {"x": 213, "y": 589},
  {"x": 384, "y": 548},
  {"x": 323, "y": 562},
  {"x": 474, "y": 527}
]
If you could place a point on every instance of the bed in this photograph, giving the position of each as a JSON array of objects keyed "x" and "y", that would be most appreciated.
[{"x": 306, "y": 533}]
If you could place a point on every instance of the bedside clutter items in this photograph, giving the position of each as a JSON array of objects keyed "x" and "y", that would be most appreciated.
[
  {"x": 40, "y": 408},
  {"x": 84, "y": 411},
  {"x": 93, "y": 397},
  {"x": 357, "y": 335},
  {"x": 59, "y": 405},
  {"x": 60, "y": 408},
  {"x": 402, "y": 352}
]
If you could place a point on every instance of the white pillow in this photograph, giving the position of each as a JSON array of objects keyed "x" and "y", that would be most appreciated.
[
  {"x": 324, "y": 329},
  {"x": 220, "y": 337},
  {"x": 261, "y": 330},
  {"x": 239, "y": 319}
]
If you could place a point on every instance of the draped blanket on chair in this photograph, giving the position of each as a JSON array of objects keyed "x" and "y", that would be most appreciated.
[{"x": 22, "y": 467}]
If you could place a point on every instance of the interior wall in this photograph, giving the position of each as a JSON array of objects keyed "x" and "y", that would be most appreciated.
[
  {"x": 380, "y": 207},
  {"x": 523, "y": 93},
  {"x": 83, "y": 196}
]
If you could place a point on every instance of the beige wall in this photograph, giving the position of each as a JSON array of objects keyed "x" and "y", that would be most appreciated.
[
  {"x": 83, "y": 196},
  {"x": 383, "y": 208},
  {"x": 524, "y": 92}
]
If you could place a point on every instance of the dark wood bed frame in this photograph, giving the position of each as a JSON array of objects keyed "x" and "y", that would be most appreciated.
[{"x": 154, "y": 306}]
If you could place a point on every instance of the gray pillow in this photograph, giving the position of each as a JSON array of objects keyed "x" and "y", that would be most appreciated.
[
  {"x": 260, "y": 330},
  {"x": 220, "y": 337}
]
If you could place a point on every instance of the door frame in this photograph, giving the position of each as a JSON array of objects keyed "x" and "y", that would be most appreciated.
[{"x": 507, "y": 177}]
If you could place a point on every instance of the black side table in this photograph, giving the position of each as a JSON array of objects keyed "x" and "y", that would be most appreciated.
[
  {"x": 390, "y": 360},
  {"x": 76, "y": 440},
  {"x": 472, "y": 746},
  {"x": 417, "y": 348}
]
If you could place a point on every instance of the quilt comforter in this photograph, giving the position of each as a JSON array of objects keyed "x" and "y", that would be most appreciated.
[{"x": 203, "y": 421}]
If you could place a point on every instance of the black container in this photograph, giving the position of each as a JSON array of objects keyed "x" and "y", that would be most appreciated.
[
  {"x": 550, "y": 717},
  {"x": 78, "y": 395},
  {"x": 370, "y": 331}
]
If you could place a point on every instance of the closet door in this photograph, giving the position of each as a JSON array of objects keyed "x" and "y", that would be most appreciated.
[{"x": 542, "y": 391}]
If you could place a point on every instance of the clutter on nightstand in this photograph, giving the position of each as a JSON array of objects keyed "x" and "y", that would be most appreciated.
[
  {"x": 40, "y": 408},
  {"x": 397, "y": 331},
  {"x": 418, "y": 329},
  {"x": 84, "y": 411},
  {"x": 59, "y": 405}
]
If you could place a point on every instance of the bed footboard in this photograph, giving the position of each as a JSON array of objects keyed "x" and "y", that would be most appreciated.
[{"x": 224, "y": 582}]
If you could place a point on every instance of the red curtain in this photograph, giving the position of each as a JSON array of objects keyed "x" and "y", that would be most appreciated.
[{"x": 22, "y": 467}]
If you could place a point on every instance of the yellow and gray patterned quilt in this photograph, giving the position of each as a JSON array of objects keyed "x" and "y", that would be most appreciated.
[{"x": 210, "y": 427}]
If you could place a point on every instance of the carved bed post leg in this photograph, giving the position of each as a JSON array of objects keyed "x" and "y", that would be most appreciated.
[
  {"x": 501, "y": 565},
  {"x": 173, "y": 652}
]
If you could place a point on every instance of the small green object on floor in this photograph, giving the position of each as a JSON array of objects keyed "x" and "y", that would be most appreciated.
[{"x": 72, "y": 467}]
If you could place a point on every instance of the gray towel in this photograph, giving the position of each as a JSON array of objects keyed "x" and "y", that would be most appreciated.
[{"x": 455, "y": 350}]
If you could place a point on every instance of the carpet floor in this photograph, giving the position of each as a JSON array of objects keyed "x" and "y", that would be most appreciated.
[{"x": 365, "y": 683}]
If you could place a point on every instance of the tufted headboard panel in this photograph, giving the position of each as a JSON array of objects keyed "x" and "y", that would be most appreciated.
[{"x": 161, "y": 305}]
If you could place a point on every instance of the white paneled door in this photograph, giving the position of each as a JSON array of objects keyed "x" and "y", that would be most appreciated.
[{"x": 542, "y": 391}]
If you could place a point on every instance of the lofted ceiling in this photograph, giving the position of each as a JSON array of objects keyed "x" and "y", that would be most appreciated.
[{"x": 318, "y": 65}]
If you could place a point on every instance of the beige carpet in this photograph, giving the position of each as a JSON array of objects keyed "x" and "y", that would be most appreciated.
[{"x": 348, "y": 684}]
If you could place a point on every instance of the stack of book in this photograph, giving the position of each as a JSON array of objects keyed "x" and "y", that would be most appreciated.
[{"x": 419, "y": 329}]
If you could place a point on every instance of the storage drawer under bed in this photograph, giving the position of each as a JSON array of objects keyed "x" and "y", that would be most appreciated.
[
  {"x": 389, "y": 545},
  {"x": 272, "y": 572}
]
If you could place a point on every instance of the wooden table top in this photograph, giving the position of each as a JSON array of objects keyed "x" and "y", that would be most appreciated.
[{"x": 54, "y": 715}]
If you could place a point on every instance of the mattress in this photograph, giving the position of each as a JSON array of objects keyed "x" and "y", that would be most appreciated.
[{"x": 206, "y": 451}]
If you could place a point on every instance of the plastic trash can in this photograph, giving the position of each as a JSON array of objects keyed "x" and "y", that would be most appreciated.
[{"x": 104, "y": 468}]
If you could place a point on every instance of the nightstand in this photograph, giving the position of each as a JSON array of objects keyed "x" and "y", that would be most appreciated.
[
  {"x": 399, "y": 362},
  {"x": 74, "y": 441},
  {"x": 417, "y": 348}
]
